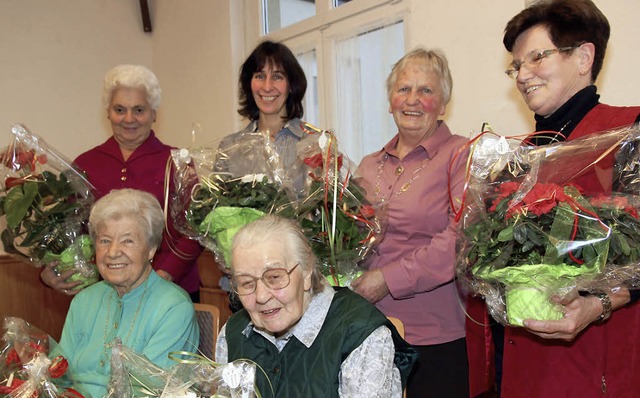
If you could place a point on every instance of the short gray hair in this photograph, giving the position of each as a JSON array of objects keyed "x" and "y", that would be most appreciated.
[
  {"x": 277, "y": 230},
  {"x": 132, "y": 76},
  {"x": 432, "y": 60},
  {"x": 133, "y": 204}
]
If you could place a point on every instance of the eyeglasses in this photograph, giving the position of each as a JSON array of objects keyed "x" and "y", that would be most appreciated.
[
  {"x": 533, "y": 59},
  {"x": 274, "y": 279}
]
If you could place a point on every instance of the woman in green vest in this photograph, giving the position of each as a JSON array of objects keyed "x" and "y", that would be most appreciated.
[{"x": 309, "y": 339}]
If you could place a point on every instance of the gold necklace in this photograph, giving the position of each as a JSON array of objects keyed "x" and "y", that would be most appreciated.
[
  {"x": 398, "y": 172},
  {"x": 107, "y": 345}
]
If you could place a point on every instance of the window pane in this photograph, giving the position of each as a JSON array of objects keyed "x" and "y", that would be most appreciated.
[
  {"x": 362, "y": 66},
  {"x": 281, "y": 13},
  {"x": 337, "y": 3},
  {"x": 310, "y": 66}
]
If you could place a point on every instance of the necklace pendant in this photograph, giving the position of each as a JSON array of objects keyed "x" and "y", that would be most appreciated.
[
  {"x": 399, "y": 170},
  {"x": 405, "y": 187}
]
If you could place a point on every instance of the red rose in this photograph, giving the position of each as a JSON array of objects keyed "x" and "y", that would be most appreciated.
[
  {"x": 314, "y": 161},
  {"x": 58, "y": 366}
]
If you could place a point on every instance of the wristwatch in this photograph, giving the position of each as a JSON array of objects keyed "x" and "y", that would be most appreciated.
[{"x": 607, "y": 308}]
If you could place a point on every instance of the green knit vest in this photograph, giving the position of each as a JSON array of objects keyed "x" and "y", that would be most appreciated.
[{"x": 298, "y": 371}]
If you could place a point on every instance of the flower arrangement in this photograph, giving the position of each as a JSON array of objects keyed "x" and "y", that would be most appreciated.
[
  {"x": 220, "y": 190},
  {"x": 25, "y": 369},
  {"x": 193, "y": 376},
  {"x": 340, "y": 224},
  {"x": 45, "y": 203},
  {"x": 244, "y": 178},
  {"x": 530, "y": 232}
]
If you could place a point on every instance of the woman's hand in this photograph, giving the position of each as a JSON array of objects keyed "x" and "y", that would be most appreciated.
[
  {"x": 371, "y": 285},
  {"x": 56, "y": 280},
  {"x": 579, "y": 312}
]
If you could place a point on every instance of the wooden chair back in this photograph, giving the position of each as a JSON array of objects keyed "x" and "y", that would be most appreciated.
[{"x": 208, "y": 316}]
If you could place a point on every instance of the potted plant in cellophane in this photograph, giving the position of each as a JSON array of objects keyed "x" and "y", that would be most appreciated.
[
  {"x": 549, "y": 221},
  {"x": 44, "y": 207}
]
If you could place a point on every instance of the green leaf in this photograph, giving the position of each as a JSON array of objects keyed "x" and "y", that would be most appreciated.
[
  {"x": 506, "y": 234},
  {"x": 520, "y": 233},
  {"x": 18, "y": 201}
]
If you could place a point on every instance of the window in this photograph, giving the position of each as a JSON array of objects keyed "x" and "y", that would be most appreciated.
[
  {"x": 363, "y": 63},
  {"x": 347, "y": 52},
  {"x": 280, "y": 13}
]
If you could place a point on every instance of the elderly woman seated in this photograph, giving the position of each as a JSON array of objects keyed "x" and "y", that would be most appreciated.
[
  {"x": 148, "y": 314},
  {"x": 309, "y": 339}
]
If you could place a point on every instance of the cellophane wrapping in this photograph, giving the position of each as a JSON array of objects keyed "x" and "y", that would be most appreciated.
[
  {"x": 44, "y": 207},
  {"x": 134, "y": 376},
  {"x": 555, "y": 220},
  {"x": 342, "y": 226},
  {"x": 25, "y": 369},
  {"x": 221, "y": 187},
  {"x": 225, "y": 186}
]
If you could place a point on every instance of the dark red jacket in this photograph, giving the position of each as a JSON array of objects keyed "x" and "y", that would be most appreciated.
[
  {"x": 603, "y": 361},
  {"x": 144, "y": 170}
]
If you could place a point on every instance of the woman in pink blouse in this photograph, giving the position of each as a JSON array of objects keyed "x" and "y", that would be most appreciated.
[{"x": 411, "y": 275}]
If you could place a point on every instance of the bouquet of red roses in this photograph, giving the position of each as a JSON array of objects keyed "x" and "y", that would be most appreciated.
[
  {"x": 543, "y": 221},
  {"x": 44, "y": 206},
  {"x": 339, "y": 222}
]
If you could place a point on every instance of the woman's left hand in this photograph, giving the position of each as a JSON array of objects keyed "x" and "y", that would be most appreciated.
[
  {"x": 579, "y": 312},
  {"x": 371, "y": 285}
]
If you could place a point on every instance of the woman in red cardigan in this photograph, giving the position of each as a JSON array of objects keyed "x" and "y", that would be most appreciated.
[
  {"x": 133, "y": 157},
  {"x": 558, "y": 49}
]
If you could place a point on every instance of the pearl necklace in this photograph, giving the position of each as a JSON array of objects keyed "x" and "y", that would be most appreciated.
[
  {"x": 398, "y": 172},
  {"x": 107, "y": 344}
]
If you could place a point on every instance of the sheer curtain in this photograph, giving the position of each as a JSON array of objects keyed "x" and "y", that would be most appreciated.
[
  {"x": 363, "y": 63},
  {"x": 310, "y": 66}
]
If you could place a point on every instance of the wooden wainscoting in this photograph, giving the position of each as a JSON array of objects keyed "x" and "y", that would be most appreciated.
[{"x": 23, "y": 295}]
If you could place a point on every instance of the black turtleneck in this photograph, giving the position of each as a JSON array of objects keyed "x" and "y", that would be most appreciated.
[{"x": 565, "y": 118}]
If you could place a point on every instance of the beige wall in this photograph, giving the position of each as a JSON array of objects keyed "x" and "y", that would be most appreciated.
[
  {"x": 471, "y": 36},
  {"x": 55, "y": 53}
]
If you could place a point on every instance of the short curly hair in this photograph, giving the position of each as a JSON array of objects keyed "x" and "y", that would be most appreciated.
[
  {"x": 132, "y": 76},
  {"x": 129, "y": 203},
  {"x": 432, "y": 60},
  {"x": 569, "y": 22}
]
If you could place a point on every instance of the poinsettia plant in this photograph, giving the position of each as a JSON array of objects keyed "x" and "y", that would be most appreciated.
[
  {"x": 530, "y": 232},
  {"x": 45, "y": 204}
]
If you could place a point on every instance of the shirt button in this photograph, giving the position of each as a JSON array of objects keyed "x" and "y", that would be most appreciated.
[
  {"x": 124, "y": 170},
  {"x": 123, "y": 178},
  {"x": 511, "y": 342},
  {"x": 276, "y": 370}
]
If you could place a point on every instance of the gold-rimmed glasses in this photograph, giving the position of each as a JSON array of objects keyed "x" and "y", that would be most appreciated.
[
  {"x": 533, "y": 59},
  {"x": 273, "y": 278}
]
